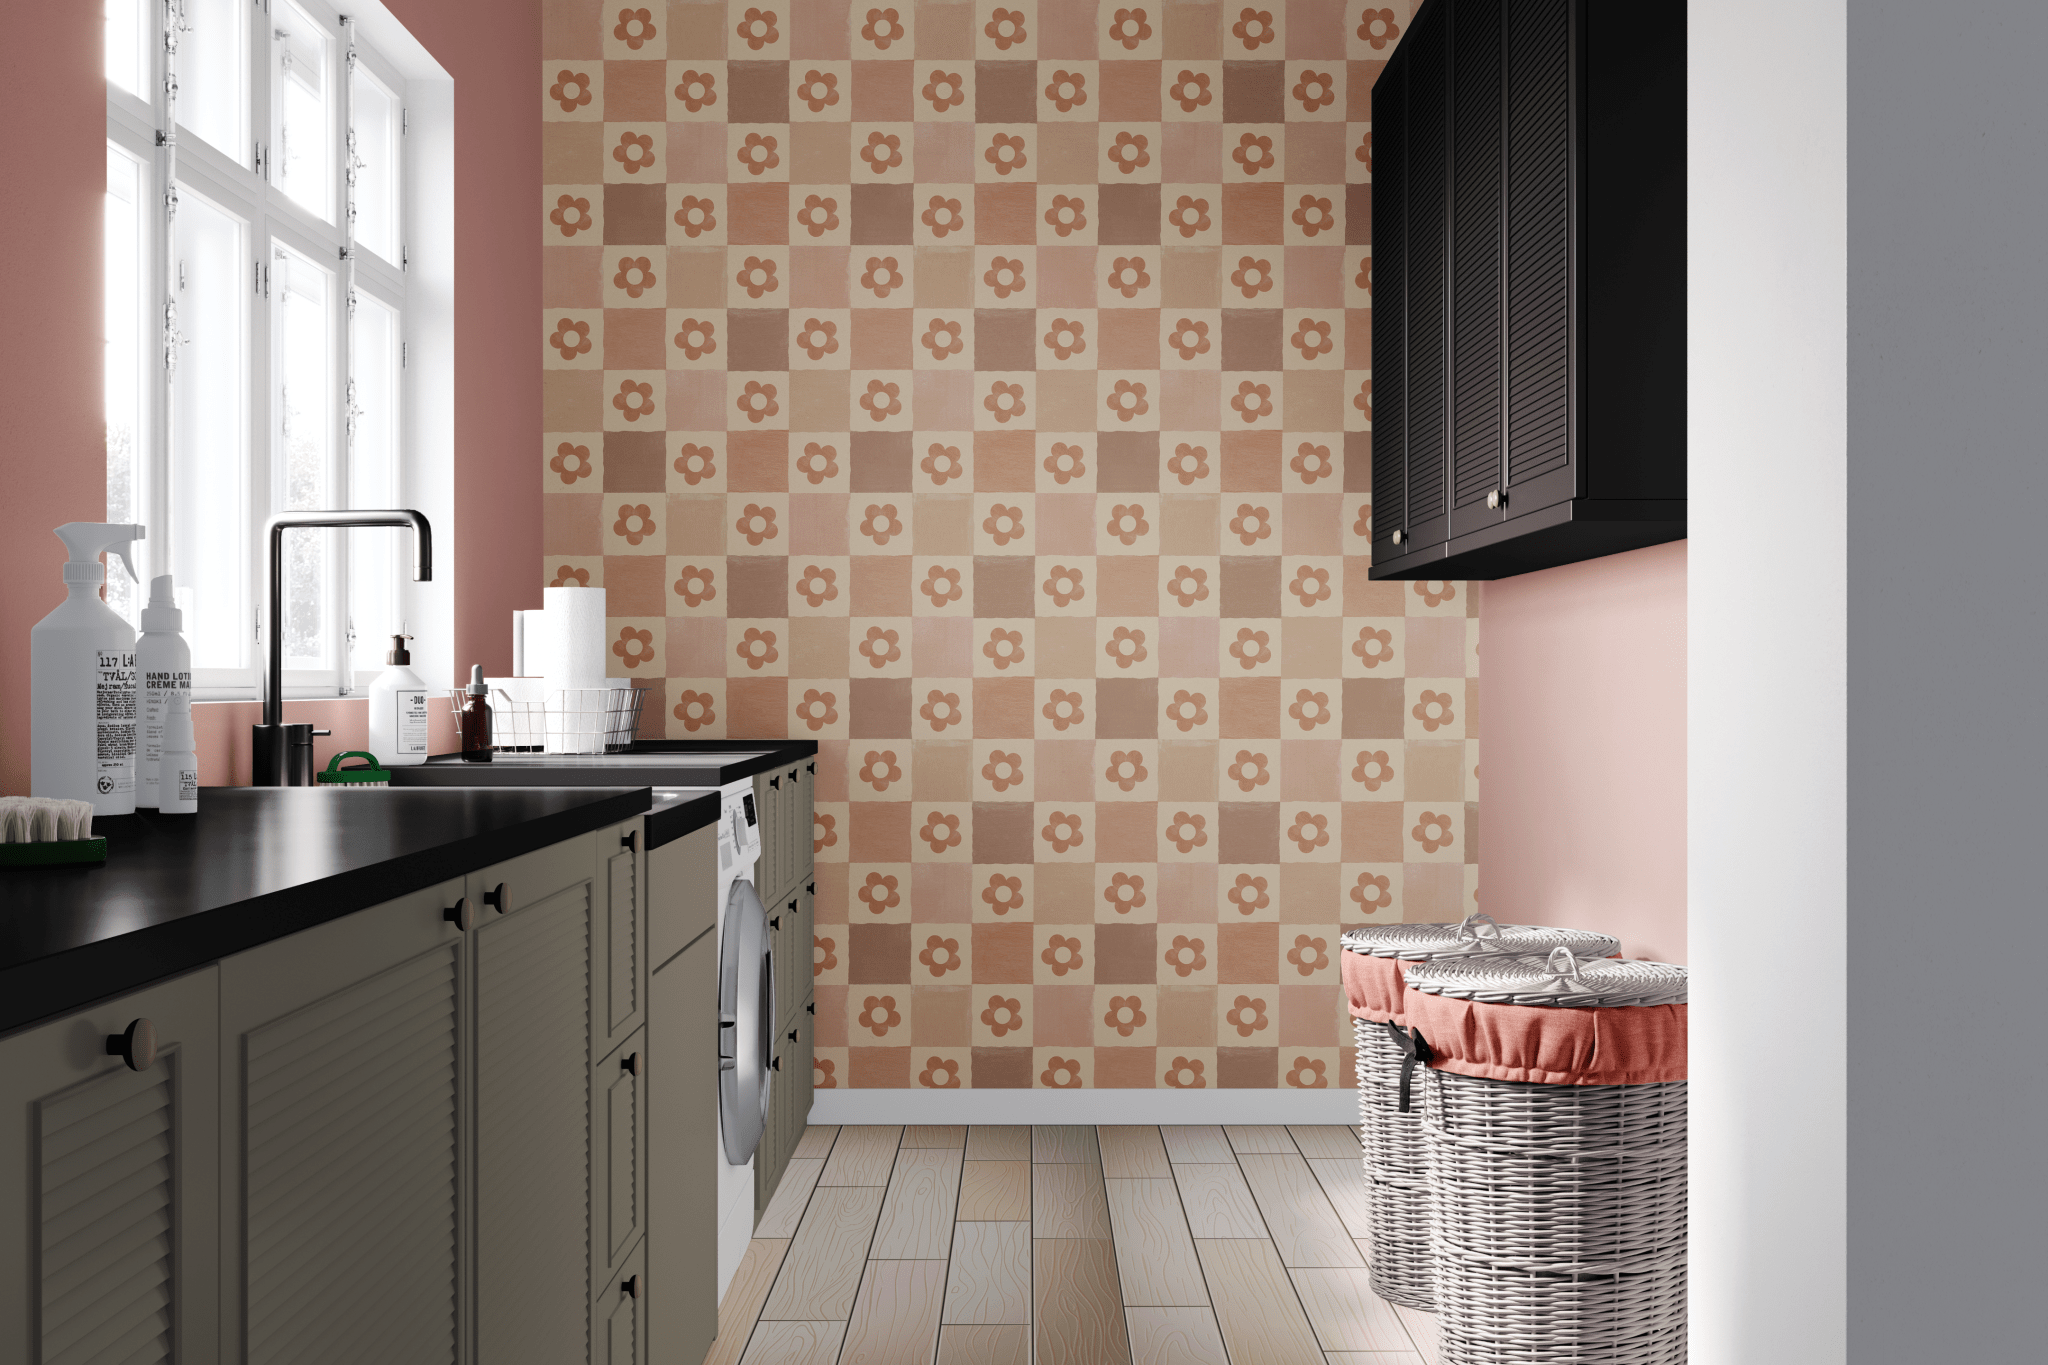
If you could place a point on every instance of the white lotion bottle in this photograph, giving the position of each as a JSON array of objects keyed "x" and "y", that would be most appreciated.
[
  {"x": 164, "y": 662},
  {"x": 177, "y": 763},
  {"x": 82, "y": 693},
  {"x": 398, "y": 710}
]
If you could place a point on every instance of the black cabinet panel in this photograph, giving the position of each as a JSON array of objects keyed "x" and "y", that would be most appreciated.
[
  {"x": 1389, "y": 311},
  {"x": 1539, "y": 238},
  {"x": 1427, "y": 199},
  {"x": 1477, "y": 281}
]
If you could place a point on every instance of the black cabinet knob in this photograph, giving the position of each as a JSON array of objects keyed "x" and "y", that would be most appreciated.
[
  {"x": 630, "y": 839},
  {"x": 811, "y": 768},
  {"x": 630, "y": 1286},
  {"x": 792, "y": 1035},
  {"x": 775, "y": 922},
  {"x": 810, "y": 888},
  {"x": 775, "y": 1063},
  {"x": 775, "y": 782},
  {"x": 135, "y": 1045},
  {"x": 811, "y": 1008},
  {"x": 461, "y": 914},
  {"x": 495, "y": 898}
]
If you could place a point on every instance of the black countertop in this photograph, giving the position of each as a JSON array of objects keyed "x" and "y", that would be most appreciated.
[
  {"x": 655, "y": 762},
  {"x": 256, "y": 864}
]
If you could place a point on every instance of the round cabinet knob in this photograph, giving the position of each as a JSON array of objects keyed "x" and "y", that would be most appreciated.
[
  {"x": 135, "y": 1045},
  {"x": 1397, "y": 536},
  {"x": 630, "y": 1286},
  {"x": 1498, "y": 498},
  {"x": 495, "y": 898},
  {"x": 461, "y": 914}
]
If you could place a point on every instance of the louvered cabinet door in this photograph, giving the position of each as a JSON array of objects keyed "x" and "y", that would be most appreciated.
[
  {"x": 768, "y": 809},
  {"x": 108, "y": 1184},
  {"x": 619, "y": 961},
  {"x": 1427, "y": 193},
  {"x": 806, "y": 820},
  {"x": 1540, "y": 466},
  {"x": 682, "y": 1134},
  {"x": 1390, "y": 312},
  {"x": 341, "y": 1113},
  {"x": 1478, "y": 279},
  {"x": 618, "y": 1157},
  {"x": 618, "y": 1319}
]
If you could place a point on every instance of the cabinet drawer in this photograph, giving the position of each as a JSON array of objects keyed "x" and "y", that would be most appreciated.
[
  {"x": 618, "y": 1157},
  {"x": 682, "y": 893},
  {"x": 618, "y": 1318}
]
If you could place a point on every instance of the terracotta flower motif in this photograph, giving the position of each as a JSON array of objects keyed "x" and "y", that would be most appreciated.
[
  {"x": 1185, "y": 956},
  {"x": 1065, "y": 339},
  {"x": 1307, "y": 1074},
  {"x": 1063, "y": 831},
  {"x": 1189, "y": 339},
  {"x": 1187, "y": 710},
  {"x": 1372, "y": 892},
  {"x": 571, "y": 462},
  {"x": 1434, "y": 592},
  {"x": 1003, "y": 524},
  {"x": 1248, "y": 770},
  {"x": 635, "y": 276},
  {"x": 1063, "y": 585},
  {"x": 878, "y": 893},
  {"x": 1005, "y": 401},
  {"x": 1252, "y": 524},
  {"x": 817, "y": 709},
  {"x": 879, "y": 769},
  {"x": 942, "y": 338},
  {"x": 1067, "y": 215},
  {"x": 1126, "y": 770},
  {"x": 1066, "y": 462},
  {"x": 883, "y": 152},
  {"x": 819, "y": 90},
  {"x": 571, "y": 214},
  {"x": 1128, "y": 27},
  {"x": 1063, "y": 709},
  {"x": 878, "y": 1014},
  {"x": 1362, "y": 154},
  {"x": 1247, "y": 1015},
  {"x": 1004, "y": 275},
  {"x": 1125, "y": 892},
  {"x": 634, "y": 400},
  {"x": 1252, "y": 277},
  {"x": 1129, "y": 152},
  {"x": 634, "y": 646},
  {"x": 942, "y": 586},
  {"x": 1005, "y": 152},
  {"x": 817, "y": 585},
  {"x": 1127, "y": 401},
  {"x": 881, "y": 647},
  {"x": 695, "y": 710},
  {"x": 942, "y": 955},
  {"x": 1312, "y": 462},
  {"x": 634, "y": 28},
  {"x": 942, "y": 463},
  {"x": 1312, "y": 338},
  {"x": 1127, "y": 275},
  {"x": 696, "y": 338},
  {"x": 1189, "y": 215},
  {"x": 1433, "y": 709},
  {"x": 883, "y": 400},
  {"x": 881, "y": 276},
  {"x": 757, "y": 401},
  {"x": 1313, "y": 215},
  {"x": 1067, "y": 90},
  {"x": 1377, "y": 27},
  {"x": 1248, "y": 894},
  {"x": 940, "y": 832},
  {"x": 1254, "y": 27},
  {"x": 822, "y": 1077},
  {"x": 1254, "y": 152},
  {"x": 696, "y": 90},
  {"x": 1127, "y": 522},
  {"x": 1252, "y": 401},
  {"x": 1310, "y": 709},
  {"x": 1251, "y": 648},
  {"x": 757, "y": 276},
  {"x": 1314, "y": 89},
  {"x": 879, "y": 522},
  {"x": 1310, "y": 585},
  {"x": 1126, "y": 646},
  {"x": 1188, "y": 463},
  {"x": 1190, "y": 90},
  {"x": 1187, "y": 832},
  {"x": 1186, "y": 1074},
  {"x": 1005, "y": 28},
  {"x": 757, "y": 648},
  {"x": 1061, "y": 953},
  {"x": 819, "y": 214},
  {"x": 824, "y": 832},
  {"x": 941, "y": 709},
  {"x": 571, "y": 338},
  {"x": 696, "y": 585},
  {"x": 757, "y": 524},
  {"x": 1309, "y": 832},
  {"x": 943, "y": 216},
  {"x": 1188, "y": 585},
  {"x": 824, "y": 955},
  {"x": 1004, "y": 647},
  {"x": 1361, "y": 525},
  {"x": 1372, "y": 769},
  {"x": 1061, "y": 1073},
  {"x": 883, "y": 28},
  {"x": 571, "y": 90},
  {"x": 1126, "y": 1013},
  {"x": 757, "y": 153},
  {"x": 635, "y": 522},
  {"x": 1003, "y": 1015},
  {"x": 1003, "y": 894},
  {"x": 818, "y": 338},
  {"x": 1362, "y": 400},
  {"x": 757, "y": 29},
  {"x": 1432, "y": 831},
  {"x": 944, "y": 90},
  {"x": 696, "y": 216}
]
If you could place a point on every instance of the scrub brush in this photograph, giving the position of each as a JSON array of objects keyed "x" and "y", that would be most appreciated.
[
  {"x": 47, "y": 831},
  {"x": 353, "y": 779}
]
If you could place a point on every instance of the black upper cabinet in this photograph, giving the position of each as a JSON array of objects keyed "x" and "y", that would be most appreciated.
[{"x": 1529, "y": 286}]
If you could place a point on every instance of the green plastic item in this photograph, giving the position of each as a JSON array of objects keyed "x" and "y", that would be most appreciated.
[
  {"x": 374, "y": 775},
  {"x": 55, "y": 853}
]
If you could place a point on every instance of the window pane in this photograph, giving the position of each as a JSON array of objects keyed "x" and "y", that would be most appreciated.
[
  {"x": 209, "y": 499},
  {"x": 376, "y": 149},
  {"x": 302, "y": 106},
  {"x": 213, "y": 75},
  {"x": 127, "y": 353},
  {"x": 373, "y": 481},
  {"x": 303, "y": 471},
  {"x": 128, "y": 28}
]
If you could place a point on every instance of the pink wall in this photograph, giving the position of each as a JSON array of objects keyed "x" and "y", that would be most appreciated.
[
  {"x": 53, "y": 456},
  {"x": 1584, "y": 770}
]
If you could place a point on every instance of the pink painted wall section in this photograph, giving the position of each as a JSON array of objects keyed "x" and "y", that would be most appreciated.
[
  {"x": 1584, "y": 773},
  {"x": 220, "y": 733}
]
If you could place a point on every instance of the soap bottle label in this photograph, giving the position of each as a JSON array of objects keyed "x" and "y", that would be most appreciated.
[
  {"x": 159, "y": 688},
  {"x": 412, "y": 720},
  {"x": 114, "y": 695}
]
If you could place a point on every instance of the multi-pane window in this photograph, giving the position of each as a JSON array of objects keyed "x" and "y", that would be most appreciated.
[{"x": 256, "y": 323}]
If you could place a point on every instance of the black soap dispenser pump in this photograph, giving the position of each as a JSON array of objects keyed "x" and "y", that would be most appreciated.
[{"x": 476, "y": 719}]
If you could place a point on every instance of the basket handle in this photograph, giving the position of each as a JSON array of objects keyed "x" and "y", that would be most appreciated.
[
  {"x": 1479, "y": 933},
  {"x": 1564, "y": 973}
]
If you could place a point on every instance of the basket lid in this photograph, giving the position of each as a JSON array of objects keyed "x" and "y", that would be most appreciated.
[
  {"x": 1474, "y": 934},
  {"x": 1563, "y": 979}
]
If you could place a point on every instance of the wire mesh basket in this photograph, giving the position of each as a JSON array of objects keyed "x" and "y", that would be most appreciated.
[{"x": 569, "y": 720}]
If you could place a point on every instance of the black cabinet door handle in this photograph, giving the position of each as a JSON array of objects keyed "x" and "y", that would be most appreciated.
[
  {"x": 135, "y": 1045},
  {"x": 630, "y": 1063},
  {"x": 630, "y": 1286},
  {"x": 775, "y": 782},
  {"x": 460, "y": 914},
  {"x": 811, "y": 1008},
  {"x": 811, "y": 768},
  {"x": 775, "y": 1063},
  {"x": 775, "y": 922},
  {"x": 792, "y": 1035},
  {"x": 810, "y": 888},
  {"x": 495, "y": 898},
  {"x": 630, "y": 839}
]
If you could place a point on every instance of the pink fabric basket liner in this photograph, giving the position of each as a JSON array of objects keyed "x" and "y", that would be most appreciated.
[
  {"x": 1624, "y": 1045},
  {"x": 1374, "y": 987}
]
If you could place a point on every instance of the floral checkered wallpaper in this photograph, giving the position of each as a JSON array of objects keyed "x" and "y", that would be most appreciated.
[{"x": 984, "y": 391}]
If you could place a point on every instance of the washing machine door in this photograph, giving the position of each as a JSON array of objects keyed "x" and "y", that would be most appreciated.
[{"x": 746, "y": 1023}]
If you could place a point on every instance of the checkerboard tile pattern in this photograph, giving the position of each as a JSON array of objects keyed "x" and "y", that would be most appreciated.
[{"x": 984, "y": 391}]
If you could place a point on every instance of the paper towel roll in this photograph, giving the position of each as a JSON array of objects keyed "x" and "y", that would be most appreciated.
[{"x": 569, "y": 646}]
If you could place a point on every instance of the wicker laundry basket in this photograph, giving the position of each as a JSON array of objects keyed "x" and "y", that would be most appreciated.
[
  {"x": 1391, "y": 1137},
  {"x": 1558, "y": 1213}
]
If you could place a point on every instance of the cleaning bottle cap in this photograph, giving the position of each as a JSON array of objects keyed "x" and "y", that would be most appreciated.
[
  {"x": 86, "y": 539},
  {"x": 476, "y": 680},
  {"x": 398, "y": 654},
  {"x": 178, "y": 724},
  {"x": 162, "y": 612}
]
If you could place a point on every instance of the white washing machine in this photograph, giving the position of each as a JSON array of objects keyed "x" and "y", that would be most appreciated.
[{"x": 746, "y": 1022}]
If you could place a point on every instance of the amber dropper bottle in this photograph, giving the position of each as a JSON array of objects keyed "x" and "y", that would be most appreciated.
[{"x": 476, "y": 720}]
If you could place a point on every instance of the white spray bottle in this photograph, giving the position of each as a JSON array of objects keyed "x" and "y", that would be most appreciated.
[
  {"x": 164, "y": 662},
  {"x": 82, "y": 692}
]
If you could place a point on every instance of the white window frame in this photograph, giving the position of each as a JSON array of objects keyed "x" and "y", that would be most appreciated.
[{"x": 191, "y": 166}]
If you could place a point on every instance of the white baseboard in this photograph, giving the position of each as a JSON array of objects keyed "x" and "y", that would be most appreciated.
[{"x": 1084, "y": 1106}]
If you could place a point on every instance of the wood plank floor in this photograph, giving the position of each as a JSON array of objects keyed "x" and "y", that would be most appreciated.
[{"x": 1067, "y": 1246}]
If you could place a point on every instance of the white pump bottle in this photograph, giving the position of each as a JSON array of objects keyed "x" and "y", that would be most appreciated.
[
  {"x": 163, "y": 662},
  {"x": 82, "y": 685}
]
